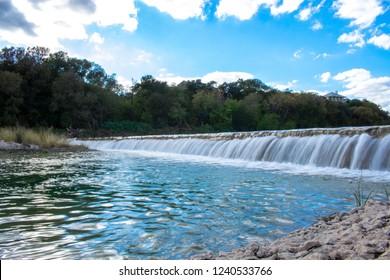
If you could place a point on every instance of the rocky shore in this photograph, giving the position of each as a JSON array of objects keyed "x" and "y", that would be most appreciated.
[
  {"x": 360, "y": 234},
  {"x": 8, "y": 146},
  {"x": 11, "y": 147}
]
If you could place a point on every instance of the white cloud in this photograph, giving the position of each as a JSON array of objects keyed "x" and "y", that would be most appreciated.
[
  {"x": 381, "y": 41},
  {"x": 141, "y": 57},
  {"x": 179, "y": 9},
  {"x": 52, "y": 20},
  {"x": 285, "y": 87},
  {"x": 243, "y": 10},
  {"x": 288, "y": 6},
  {"x": 125, "y": 82},
  {"x": 319, "y": 92},
  {"x": 360, "y": 84},
  {"x": 246, "y": 9},
  {"x": 96, "y": 38},
  {"x": 121, "y": 12},
  {"x": 355, "y": 37},
  {"x": 316, "y": 26},
  {"x": 219, "y": 77},
  {"x": 298, "y": 54},
  {"x": 308, "y": 12},
  {"x": 324, "y": 77},
  {"x": 228, "y": 77},
  {"x": 362, "y": 12},
  {"x": 321, "y": 55},
  {"x": 305, "y": 14}
]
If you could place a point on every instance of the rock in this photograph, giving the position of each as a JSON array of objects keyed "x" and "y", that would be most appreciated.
[
  {"x": 10, "y": 146},
  {"x": 286, "y": 256},
  {"x": 207, "y": 256},
  {"x": 362, "y": 233},
  {"x": 310, "y": 245},
  {"x": 263, "y": 252},
  {"x": 341, "y": 254},
  {"x": 316, "y": 256}
]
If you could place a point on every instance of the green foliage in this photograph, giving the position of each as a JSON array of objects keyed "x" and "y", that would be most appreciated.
[
  {"x": 10, "y": 97},
  {"x": 204, "y": 103},
  {"x": 205, "y": 128},
  {"x": 360, "y": 198},
  {"x": 126, "y": 127},
  {"x": 387, "y": 196},
  {"x": 43, "y": 89},
  {"x": 221, "y": 118},
  {"x": 269, "y": 122}
]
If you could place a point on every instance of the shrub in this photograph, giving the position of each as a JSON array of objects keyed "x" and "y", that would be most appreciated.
[
  {"x": 44, "y": 138},
  {"x": 127, "y": 127}
]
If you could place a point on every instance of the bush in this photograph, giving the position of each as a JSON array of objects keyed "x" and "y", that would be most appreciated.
[
  {"x": 127, "y": 127},
  {"x": 44, "y": 138}
]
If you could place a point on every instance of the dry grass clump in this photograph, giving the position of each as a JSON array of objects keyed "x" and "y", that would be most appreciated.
[{"x": 44, "y": 138}]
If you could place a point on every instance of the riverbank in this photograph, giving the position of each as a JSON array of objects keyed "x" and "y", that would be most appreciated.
[
  {"x": 12, "y": 147},
  {"x": 27, "y": 140},
  {"x": 360, "y": 234}
]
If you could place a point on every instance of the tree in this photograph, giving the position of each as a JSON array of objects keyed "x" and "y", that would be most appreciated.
[
  {"x": 222, "y": 118},
  {"x": 337, "y": 114},
  {"x": 205, "y": 102},
  {"x": 309, "y": 110},
  {"x": 282, "y": 104},
  {"x": 152, "y": 102},
  {"x": 10, "y": 97},
  {"x": 66, "y": 100}
]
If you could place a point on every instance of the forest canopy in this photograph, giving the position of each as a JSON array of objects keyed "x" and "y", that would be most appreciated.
[{"x": 43, "y": 89}]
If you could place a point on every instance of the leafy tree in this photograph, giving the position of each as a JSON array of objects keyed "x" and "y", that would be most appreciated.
[
  {"x": 67, "y": 101},
  {"x": 222, "y": 118},
  {"x": 309, "y": 110},
  {"x": 151, "y": 101},
  {"x": 337, "y": 114},
  {"x": 271, "y": 121},
  {"x": 204, "y": 103},
  {"x": 10, "y": 97},
  {"x": 283, "y": 105}
]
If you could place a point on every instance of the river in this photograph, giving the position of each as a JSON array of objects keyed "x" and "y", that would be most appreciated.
[{"x": 136, "y": 204}]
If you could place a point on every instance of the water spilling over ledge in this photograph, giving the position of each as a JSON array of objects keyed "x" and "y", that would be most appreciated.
[{"x": 350, "y": 147}]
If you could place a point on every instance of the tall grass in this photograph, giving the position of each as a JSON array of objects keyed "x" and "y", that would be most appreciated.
[
  {"x": 360, "y": 198},
  {"x": 44, "y": 138}
]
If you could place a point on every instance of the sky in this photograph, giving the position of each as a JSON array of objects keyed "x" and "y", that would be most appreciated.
[{"x": 301, "y": 45}]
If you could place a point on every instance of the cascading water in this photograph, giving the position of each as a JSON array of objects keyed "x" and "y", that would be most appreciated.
[{"x": 352, "y": 149}]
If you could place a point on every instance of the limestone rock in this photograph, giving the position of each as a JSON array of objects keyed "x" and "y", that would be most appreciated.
[{"x": 362, "y": 233}]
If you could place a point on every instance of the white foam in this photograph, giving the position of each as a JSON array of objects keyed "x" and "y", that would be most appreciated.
[{"x": 336, "y": 155}]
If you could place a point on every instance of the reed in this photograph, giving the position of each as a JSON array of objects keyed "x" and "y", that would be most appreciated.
[
  {"x": 44, "y": 138},
  {"x": 360, "y": 198}
]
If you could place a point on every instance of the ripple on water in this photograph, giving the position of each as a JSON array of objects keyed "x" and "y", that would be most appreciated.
[{"x": 122, "y": 205}]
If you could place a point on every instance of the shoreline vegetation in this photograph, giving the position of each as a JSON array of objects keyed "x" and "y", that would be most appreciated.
[
  {"x": 362, "y": 233},
  {"x": 20, "y": 139}
]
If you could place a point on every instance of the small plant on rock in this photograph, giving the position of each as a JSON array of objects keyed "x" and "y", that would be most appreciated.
[
  {"x": 387, "y": 196},
  {"x": 360, "y": 198}
]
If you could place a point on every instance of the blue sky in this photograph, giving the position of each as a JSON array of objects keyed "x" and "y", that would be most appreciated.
[{"x": 303, "y": 45}]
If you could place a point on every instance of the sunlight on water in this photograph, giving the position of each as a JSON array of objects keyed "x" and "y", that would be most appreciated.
[{"x": 147, "y": 205}]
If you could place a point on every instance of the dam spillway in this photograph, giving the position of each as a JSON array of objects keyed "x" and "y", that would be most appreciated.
[{"x": 356, "y": 148}]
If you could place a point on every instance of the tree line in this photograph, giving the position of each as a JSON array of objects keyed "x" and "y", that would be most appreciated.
[{"x": 43, "y": 89}]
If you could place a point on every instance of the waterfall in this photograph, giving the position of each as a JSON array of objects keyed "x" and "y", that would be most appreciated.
[{"x": 353, "y": 150}]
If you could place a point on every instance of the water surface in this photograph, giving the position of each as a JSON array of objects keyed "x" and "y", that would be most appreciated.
[{"x": 128, "y": 205}]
